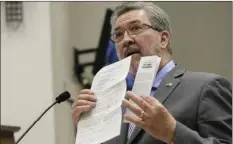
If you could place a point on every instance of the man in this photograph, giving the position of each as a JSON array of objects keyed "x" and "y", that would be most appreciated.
[{"x": 184, "y": 107}]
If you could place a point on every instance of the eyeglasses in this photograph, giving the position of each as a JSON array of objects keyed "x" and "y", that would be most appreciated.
[{"x": 132, "y": 30}]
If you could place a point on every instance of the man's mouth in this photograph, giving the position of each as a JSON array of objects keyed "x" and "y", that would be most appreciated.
[
  {"x": 132, "y": 49},
  {"x": 131, "y": 53}
]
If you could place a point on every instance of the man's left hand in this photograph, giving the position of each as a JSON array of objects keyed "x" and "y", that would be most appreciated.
[{"x": 151, "y": 115}]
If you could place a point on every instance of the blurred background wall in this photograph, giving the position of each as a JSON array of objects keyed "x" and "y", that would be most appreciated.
[
  {"x": 26, "y": 73},
  {"x": 37, "y": 58}
]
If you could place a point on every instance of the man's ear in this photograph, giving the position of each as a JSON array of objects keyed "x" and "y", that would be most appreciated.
[{"x": 165, "y": 37}]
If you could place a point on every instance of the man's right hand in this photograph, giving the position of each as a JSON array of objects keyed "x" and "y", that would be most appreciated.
[{"x": 84, "y": 102}]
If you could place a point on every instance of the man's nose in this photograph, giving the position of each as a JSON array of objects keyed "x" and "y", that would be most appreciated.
[{"x": 127, "y": 40}]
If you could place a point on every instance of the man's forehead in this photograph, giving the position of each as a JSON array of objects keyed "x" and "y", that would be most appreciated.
[{"x": 130, "y": 17}]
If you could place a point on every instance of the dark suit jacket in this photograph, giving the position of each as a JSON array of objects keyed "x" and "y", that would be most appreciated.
[{"x": 200, "y": 102}]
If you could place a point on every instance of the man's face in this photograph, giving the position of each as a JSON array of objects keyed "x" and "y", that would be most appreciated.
[{"x": 146, "y": 43}]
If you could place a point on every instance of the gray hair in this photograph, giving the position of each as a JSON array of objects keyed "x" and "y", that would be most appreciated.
[{"x": 157, "y": 16}]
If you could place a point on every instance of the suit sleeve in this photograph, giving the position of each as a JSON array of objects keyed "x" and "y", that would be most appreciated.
[{"x": 214, "y": 117}]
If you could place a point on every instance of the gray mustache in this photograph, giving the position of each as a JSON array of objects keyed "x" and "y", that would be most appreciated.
[{"x": 131, "y": 50}]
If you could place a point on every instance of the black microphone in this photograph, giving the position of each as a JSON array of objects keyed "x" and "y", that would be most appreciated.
[{"x": 61, "y": 98}]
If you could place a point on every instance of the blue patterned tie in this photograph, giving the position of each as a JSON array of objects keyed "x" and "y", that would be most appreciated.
[
  {"x": 131, "y": 125},
  {"x": 130, "y": 130}
]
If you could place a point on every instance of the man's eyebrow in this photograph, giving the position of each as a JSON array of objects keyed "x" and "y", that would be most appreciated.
[
  {"x": 132, "y": 22},
  {"x": 135, "y": 21}
]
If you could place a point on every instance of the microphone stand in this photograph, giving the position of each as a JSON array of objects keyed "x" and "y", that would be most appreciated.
[
  {"x": 61, "y": 98},
  {"x": 36, "y": 121}
]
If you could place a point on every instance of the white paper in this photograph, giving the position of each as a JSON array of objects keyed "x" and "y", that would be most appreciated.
[
  {"x": 104, "y": 121},
  {"x": 144, "y": 79}
]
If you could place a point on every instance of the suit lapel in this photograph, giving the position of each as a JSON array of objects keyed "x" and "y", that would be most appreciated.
[
  {"x": 167, "y": 85},
  {"x": 165, "y": 88}
]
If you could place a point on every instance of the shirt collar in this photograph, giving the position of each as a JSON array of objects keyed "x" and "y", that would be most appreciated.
[{"x": 162, "y": 73}]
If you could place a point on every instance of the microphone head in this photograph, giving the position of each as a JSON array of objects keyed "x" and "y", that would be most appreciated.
[{"x": 63, "y": 97}]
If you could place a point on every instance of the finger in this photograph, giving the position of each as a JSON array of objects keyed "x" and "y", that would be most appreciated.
[
  {"x": 132, "y": 107},
  {"x": 135, "y": 109},
  {"x": 75, "y": 120},
  {"x": 86, "y": 91},
  {"x": 78, "y": 110},
  {"x": 73, "y": 105},
  {"x": 150, "y": 100},
  {"x": 140, "y": 102},
  {"x": 156, "y": 107},
  {"x": 137, "y": 121},
  {"x": 87, "y": 97},
  {"x": 85, "y": 102}
]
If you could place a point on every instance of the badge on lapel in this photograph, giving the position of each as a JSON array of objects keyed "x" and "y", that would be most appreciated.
[{"x": 168, "y": 85}]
